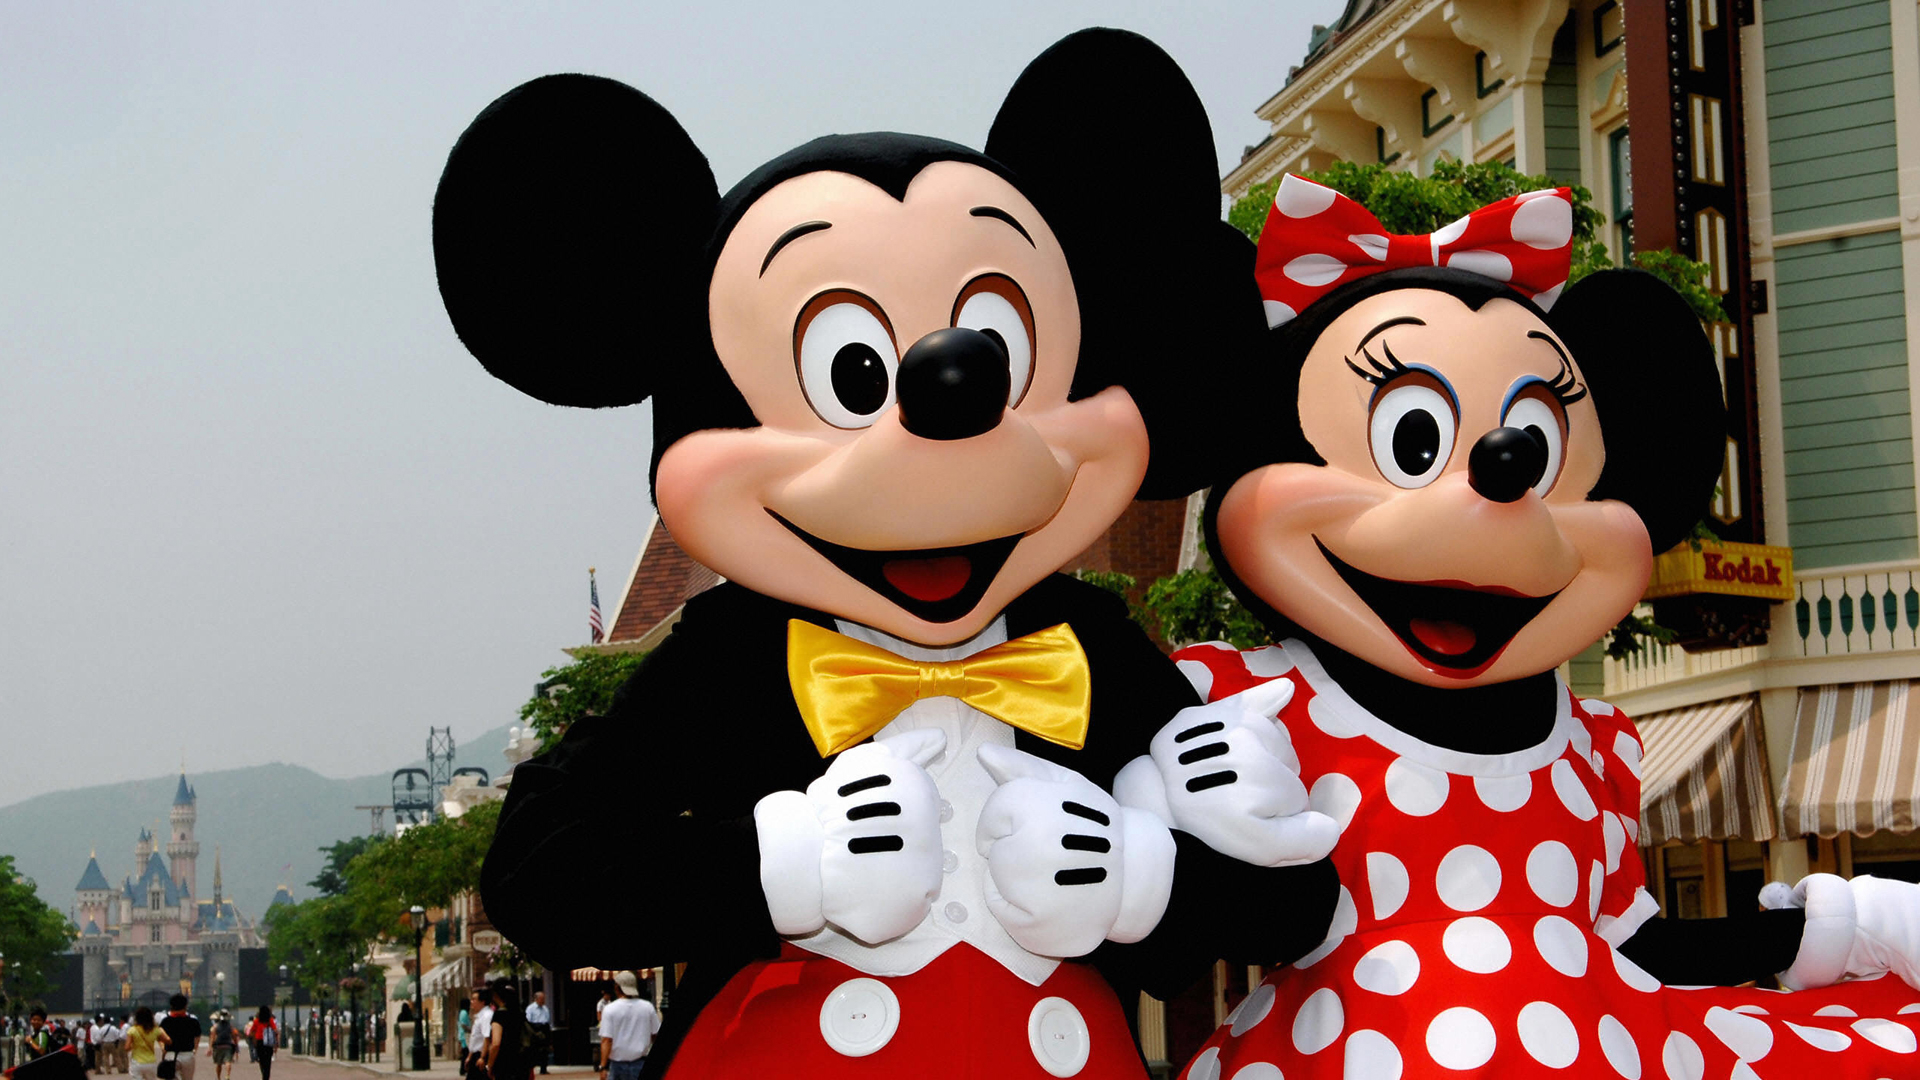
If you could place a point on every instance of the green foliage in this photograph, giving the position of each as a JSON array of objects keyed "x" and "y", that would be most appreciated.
[
  {"x": 582, "y": 688},
  {"x": 1624, "y": 639},
  {"x": 1688, "y": 278},
  {"x": 1120, "y": 585},
  {"x": 32, "y": 936},
  {"x": 332, "y": 878},
  {"x": 1195, "y": 605}
]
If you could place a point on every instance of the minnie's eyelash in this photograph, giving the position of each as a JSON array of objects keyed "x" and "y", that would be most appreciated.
[
  {"x": 1564, "y": 387},
  {"x": 1382, "y": 374}
]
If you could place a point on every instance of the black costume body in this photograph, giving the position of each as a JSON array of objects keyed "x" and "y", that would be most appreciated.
[{"x": 632, "y": 843}]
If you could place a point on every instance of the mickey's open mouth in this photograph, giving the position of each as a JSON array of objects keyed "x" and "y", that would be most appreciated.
[
  {"x": 938, "y": 585},
  {"x": 1454, "y": 628}
]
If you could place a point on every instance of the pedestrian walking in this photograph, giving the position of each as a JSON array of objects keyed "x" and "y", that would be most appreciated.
[
  {"x": 146, "y": 1041},
  {"x": 39, "y": 1038},
  {"x": 263, "y": 1036},
  {"x": 627, "y": 1028},
  {"x": 477, "y": 1035},
  {"x": 540, "y": 1023},
  {"x": 462, "y": 1027},
  {"x": 183, "y": 1038},
  {"x": 506, "y": 1057},
  {"x": 225, "y": 1043}
]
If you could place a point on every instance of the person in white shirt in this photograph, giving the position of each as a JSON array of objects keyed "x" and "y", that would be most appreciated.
[
  {"x": 540, "y": 1020},
  {"x": 627, "y": 1028},
  {"x": 477, "y": 1035}
]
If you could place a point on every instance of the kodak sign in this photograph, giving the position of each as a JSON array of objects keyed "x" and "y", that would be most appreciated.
[{"x": 1723, "y": 567}]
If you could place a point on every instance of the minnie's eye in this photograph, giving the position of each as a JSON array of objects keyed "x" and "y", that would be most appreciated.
[
  {"x": 1411, "y": 431},
  {"x": 846, "y": 359},
  {"x": 1535, "y": 415},
  {"x": 994, "y": 305}
]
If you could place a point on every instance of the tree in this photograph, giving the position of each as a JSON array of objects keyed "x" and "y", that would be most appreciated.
[
  {"x": 32, "y": 936},
  {"x": 582, "y": 688},
  {"x": 332, "y": 878}
]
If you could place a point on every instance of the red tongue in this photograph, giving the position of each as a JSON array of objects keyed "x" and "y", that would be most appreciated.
[
  {"x": 1443, "y": 636},
  {"x": 929, "y": 579}
]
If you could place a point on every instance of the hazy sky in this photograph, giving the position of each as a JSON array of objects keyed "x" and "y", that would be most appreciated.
[{"x": 256, "y": 503}]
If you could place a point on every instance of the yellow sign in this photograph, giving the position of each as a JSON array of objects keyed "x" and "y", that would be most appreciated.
[{"x": 1723, "y": 567}]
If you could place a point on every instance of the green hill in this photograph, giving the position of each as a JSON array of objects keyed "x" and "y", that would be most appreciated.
[{"x": 261, "y": 818}]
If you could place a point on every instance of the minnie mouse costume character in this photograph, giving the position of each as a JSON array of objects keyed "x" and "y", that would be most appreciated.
[
  {"x": 862, "y": 789},
  {"x": 1469, "y": 476}
]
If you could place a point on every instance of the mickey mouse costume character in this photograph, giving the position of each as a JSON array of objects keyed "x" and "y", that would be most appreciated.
[
  {"x": 1468, "y": 472},
  {"x": 897, "y": 384}
]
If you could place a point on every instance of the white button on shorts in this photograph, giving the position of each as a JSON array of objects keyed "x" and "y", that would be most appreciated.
[
  {"x": 1057, "y": 1034},
  {"x": 859, "y": 1017}
]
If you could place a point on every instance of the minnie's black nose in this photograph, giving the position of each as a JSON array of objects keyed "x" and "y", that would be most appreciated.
[
  {"x": 1505, "y": 463},
  {"x": 953, "y": 384}
]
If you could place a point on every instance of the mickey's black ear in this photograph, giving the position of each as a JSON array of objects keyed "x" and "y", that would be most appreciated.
[
  {"x": 1168, "y": 305},
  {"x": 570, "y": 231},
  {"x": 1650, "y": 369}
]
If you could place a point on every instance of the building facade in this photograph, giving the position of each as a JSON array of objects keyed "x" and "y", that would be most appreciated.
[{"x": 153, "y": 935}]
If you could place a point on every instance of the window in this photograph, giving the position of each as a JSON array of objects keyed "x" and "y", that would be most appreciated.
[
  {"x": 153, "y": 935},
  {"x": 1380, "y": 147},
  {"x": 1609, "y": 27},
  {"x": 1621, "y": 151},
  {"x": 153, "y": 901},
  {"x": 1480, "y": 76},
  {"x": 1428, "y": 125}
]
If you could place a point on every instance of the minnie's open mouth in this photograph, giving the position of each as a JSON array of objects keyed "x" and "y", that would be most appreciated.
[
  {"x": 938, "y": 585},
  {"x": 1453, "y": 628}
]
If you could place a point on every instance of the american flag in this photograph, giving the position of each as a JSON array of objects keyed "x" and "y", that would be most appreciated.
[{"x": 594, "y": 626}]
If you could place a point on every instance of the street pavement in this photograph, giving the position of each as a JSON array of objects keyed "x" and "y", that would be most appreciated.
[{"x": 291, "y": 1067}]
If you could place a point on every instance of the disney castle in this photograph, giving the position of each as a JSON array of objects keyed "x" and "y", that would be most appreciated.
[{"x": 153, "y": 936}]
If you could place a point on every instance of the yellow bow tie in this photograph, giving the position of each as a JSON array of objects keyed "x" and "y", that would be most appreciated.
[{"x": 847, "y": 690}]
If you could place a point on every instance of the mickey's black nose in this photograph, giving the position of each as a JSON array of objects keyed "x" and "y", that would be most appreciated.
[
  {"x": 1505, "y": 463},
  {"x": 953, "y": 384}
]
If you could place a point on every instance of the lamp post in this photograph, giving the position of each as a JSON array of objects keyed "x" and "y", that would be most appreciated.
[
  {"x": 220, "y": 992},
  {"x": 418, "y": 916},
  {"x": 283, "y": 997},
  {"x": 354, "y": 1040}
]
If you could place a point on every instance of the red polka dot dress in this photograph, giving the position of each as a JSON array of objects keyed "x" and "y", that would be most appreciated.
[{"x": 1481, "y": 900}]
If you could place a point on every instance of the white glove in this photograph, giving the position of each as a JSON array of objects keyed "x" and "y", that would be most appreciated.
[
  {"x": 1226, "y": 773},
  {"x": 1866, "y": 926},
  {"x": 1067, "y": 866},
  {"x": 860, "y": 848}
]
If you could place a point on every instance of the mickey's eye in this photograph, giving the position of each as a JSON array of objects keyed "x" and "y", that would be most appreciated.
[
  {"x": 994, "y": 305},
  {"x": 1411, "y": 432},
  {"x": 843, "y": 348},
  {"x": 1536, "y": 413}
]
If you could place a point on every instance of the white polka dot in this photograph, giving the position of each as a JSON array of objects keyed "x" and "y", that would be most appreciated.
[
  {"x": 1267, "y": 662},
  {"x": 1387, "y": 882},
  {"x": 1449, "y": 232},
  {"x": 1319, "y": 1021},
  {"x": 1820, "y": 1038},
  {"x": 1886, "y": 1034},
  {"x": 1615, "y": 835},
  {"x": 1314, "y": 269},
  {"x": 1834, "y": 1010},
  {"x": 1748, "y": 1037},
  {"x": 1259, "y": 1070},
  {"x": 1543, "y": 223},
  {"x": 1298, "y": 198},
  {"x": 1627, "y": 749},
  {"x": 1335, "y": 796},
  {"x": 1346, "y": 917},
  {"x": 1905, "y": 1009},
  {"x": 1599, "y": 764},
  {"x": 1562, "y": 945},
  {"x": 1371, "y": 1056},
  {"x": 1596, "y": 707},
  {"x": 1573, "y": 794},
  {"x": 1460, "y": 1038},
  {"x": 1632, "y": 974},
  {"x": 1206, "y": 1066},
  {"x": 1548, "y": 1035},
  {"x": 1546, "y": 298},
  {"x": 1682, "y": 1057},
  {"x": 1487, "y": 264},
  {"x": 1528, "y": 196},
  {"x": 1742, "y": 1071},
  {"x": 1477, "y": 945},
  {"x": 1414, "y": 789},
  {"x": 1277, "y": 312},
  {"x": 1581, "y": 740},
  {"x": 1468, "y": 878},
  {"x": 1253, "y": 1010},
  {"x": 1326, "y": 716},
  {"x": 1596, "y": 880},
  {"x": 1554, "y": 875},
  {"x": 1632, "y": 825},
  {"x": 1197, "y": 673},
  {"x": 1617, "y": 1044},
  {"x": 1372, "y": 245},
  {"x": 1750, "y": 1010},
  {"x": 1504, "y": 793},
  {"x": 1389, "y": 968}
]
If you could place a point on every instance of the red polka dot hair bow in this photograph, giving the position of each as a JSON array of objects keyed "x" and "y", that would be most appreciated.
[{"x": 1317, "y": 239}]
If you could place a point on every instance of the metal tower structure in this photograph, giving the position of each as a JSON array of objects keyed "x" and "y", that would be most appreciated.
[{"x": 440, "y": 758}]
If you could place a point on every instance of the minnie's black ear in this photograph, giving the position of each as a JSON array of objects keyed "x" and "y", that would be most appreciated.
[
  {"x": 1650, "y": 369},
  {"x": 570, "y": 231},
  {"x": 1168, "y": 305}
]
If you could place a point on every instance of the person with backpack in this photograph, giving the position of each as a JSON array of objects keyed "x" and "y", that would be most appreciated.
[
  {"x": 225, "y": 1042},
  {"x": 263, "y": 1035}
]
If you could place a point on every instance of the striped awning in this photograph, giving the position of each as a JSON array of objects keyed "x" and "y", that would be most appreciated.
[
  {"x": 1856, "y": 761},
  {"x": 449, "y": 976},
  {"x": 1703, "y": 775}
]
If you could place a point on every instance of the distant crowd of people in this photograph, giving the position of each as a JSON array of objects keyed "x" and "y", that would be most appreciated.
[{"x": 149, "y": 1047}]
